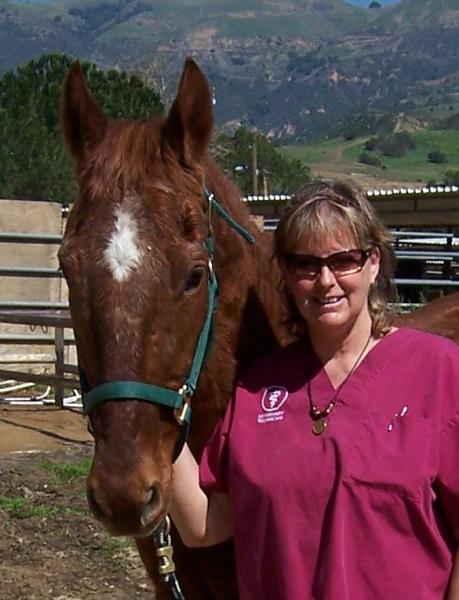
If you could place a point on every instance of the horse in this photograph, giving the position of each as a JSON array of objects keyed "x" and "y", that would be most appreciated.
[
  {"x": 439, "y": 316},
  {"x": 136, "y": 259}
]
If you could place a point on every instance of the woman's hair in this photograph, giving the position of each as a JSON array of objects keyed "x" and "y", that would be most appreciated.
[{"x": 321, "y": 210}]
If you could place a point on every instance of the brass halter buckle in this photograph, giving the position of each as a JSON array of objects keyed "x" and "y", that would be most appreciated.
[{"x": 164, "y": 551}]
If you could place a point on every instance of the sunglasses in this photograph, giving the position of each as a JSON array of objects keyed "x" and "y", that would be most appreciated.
[{"x": 307, "y": 266}]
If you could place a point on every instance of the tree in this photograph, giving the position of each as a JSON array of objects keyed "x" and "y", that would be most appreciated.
[
  {"x": 394, "y": 144},
  {"x": 233, "y": 153},
  {"x": 367, "y": 159},
  {"x": 349, "y": 134},
  {"x": 451, "y": 178},
  {"x": 33, "y": 158},
  {"x": 437, "y": 157},
  {"x": 371, "y": 144},
  {"x": 374, "y": 4}
]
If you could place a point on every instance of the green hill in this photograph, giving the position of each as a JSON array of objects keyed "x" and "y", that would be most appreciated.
[{"x": 340, "y": 158}]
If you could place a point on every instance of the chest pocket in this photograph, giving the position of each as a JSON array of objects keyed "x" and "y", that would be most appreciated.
[{"x": 398, "y": 459}]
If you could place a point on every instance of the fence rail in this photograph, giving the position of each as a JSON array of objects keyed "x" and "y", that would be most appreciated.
[
  {"x": 29, "y": 238},
  {"x": 65, "y": 375},
  {"x": 55, "y": 314},
  {"x": 29, "y": 272},
  {"x": 44, "y": 314}
]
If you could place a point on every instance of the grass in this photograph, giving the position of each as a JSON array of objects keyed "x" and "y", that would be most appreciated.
[
  {"x": 413, "y": 167},
  {"x": 113, "y": 545},
  {"x": 23, "y": 508},
  {"x": 66, "y": 472},
  {"x": 317, "y": 152},
  {"x": 63, "y": 474}
]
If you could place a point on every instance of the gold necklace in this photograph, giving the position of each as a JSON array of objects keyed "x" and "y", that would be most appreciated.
[{"x": 319, "y": 417}]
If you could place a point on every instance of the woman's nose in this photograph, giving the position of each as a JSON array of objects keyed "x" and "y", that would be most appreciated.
[{"x": 326, "y": 276}]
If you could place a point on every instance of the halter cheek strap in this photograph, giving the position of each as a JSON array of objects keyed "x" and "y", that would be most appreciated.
[{"x": 178, "y": 401}]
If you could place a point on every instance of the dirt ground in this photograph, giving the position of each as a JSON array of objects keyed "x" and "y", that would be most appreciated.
[{"x": 50, "y": 546}]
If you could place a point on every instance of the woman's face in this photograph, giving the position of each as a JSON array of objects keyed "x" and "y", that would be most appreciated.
[{"x": 332, "y": 302}]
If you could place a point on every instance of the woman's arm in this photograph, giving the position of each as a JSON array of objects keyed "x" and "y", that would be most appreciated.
[
  {"x": 453, "y": 590},
  {"x": 200, "y": 520}
]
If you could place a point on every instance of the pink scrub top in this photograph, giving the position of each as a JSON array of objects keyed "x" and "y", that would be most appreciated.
[{"x": 367, "y": 510}]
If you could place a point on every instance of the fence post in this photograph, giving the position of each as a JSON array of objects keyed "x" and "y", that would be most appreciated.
[{"x": 59, "y": 365}]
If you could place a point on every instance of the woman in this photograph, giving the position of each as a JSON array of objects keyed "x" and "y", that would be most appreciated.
[{"x": 335, "y": 466}]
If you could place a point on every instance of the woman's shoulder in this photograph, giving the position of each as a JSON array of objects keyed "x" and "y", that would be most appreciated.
[
  {"x": 425, "y": 338},
  {"x": 430, "y": 346}
]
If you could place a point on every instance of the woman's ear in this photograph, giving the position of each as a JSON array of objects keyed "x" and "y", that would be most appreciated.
[{"x": 375, "y": 262}]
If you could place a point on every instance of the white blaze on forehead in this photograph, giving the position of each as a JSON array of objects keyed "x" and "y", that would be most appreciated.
[{"x": 122, "y": 255}]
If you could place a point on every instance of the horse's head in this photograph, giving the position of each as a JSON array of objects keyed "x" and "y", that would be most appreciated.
[{"x": 135, "y": 262}]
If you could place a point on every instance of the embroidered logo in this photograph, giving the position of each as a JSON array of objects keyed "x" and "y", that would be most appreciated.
[{"x": 272, "y": 401}]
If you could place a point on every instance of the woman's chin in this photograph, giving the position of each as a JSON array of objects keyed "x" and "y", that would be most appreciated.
[{"x": 330, "y": 319}]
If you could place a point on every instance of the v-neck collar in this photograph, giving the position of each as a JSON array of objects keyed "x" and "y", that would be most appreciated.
[{"x": 370, "y": 366}]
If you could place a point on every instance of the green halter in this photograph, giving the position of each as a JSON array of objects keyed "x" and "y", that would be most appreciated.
[{"x": 178, "y": 401}]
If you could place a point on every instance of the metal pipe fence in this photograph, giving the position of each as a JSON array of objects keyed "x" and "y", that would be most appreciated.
[
  {"x": 54, "y": 315},
  {"x": 48, "y": 315}
]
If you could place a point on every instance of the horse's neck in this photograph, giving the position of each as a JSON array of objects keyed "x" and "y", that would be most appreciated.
[
  {"x": 229, "y": 196},
  {"x": 250, "y": 306},
  {"x": 249, "y": 315},
  {"x": 250, "y": 268}
]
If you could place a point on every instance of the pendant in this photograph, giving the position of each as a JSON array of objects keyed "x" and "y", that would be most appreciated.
[{"x": 319, "y": 426}]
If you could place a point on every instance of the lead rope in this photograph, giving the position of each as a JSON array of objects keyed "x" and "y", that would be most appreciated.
[{"x": 164, "y": 552}]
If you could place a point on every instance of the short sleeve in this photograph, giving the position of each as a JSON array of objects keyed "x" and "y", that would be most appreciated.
[
  {"x": 447, "y": 484},
  {"x": 448, "y": 477},
  {"x": 213, "y": 467}
]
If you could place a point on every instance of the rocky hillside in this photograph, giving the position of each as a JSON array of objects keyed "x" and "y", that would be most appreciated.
[{"x": 297, "y": 69}]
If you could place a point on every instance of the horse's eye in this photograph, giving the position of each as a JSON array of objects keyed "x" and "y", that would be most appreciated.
[{"x": 194, "y": 279}]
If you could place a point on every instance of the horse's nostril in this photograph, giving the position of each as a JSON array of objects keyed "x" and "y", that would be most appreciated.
[
  {"x": 150, "y": 509},
  {"x": 94, "y": 505}
]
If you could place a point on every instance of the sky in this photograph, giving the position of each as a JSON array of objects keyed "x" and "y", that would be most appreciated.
[
  {"x": 356, "y": 2},
  {"x": 367, "y": 2}
]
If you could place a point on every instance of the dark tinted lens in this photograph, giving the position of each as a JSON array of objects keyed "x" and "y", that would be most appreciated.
[
  {"x": 303, "y": 264},
  {"x": 345, "y": 263}
]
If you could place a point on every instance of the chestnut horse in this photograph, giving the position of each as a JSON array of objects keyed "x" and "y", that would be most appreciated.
[
  {"x": 135, "y": 261},
  {"x": 440, "y": 316}
]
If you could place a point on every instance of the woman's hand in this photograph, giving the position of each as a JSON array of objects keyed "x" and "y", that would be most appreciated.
[
  {"x": 453, "y": 589},
  {"x": 200, "y": 520}
]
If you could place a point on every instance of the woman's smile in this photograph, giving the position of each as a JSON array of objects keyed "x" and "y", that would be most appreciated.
[{"x": 330, "y": 302}]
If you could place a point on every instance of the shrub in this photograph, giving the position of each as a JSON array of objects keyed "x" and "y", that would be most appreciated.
[
  {"x": 349, "y": 134},
  {"x": 368, "y": 159},
  {"x": 437, "y": 157},
  {"x": 371, "y": 144},
  {"x": 390, "y": 147},
  {"x": 451, "y": 177}
]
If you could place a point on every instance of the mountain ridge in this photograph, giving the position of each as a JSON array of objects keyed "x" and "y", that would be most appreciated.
[{"x": 297, "y": 70}]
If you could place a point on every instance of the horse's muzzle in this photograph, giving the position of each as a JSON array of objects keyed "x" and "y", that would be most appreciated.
[{"x": 134, "y": 515}]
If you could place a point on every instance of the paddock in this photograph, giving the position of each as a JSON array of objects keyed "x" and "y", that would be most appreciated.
[
  {"x": 43, "y": 558},
  {"x": 36, "y": 339}
]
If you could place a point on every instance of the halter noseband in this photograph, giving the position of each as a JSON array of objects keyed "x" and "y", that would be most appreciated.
[{"x": 178, "y": 401}]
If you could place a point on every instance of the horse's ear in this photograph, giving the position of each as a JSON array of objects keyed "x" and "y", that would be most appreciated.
[
  {"x": 82, "y": 121},
  {"x": 188, "y": 127}
]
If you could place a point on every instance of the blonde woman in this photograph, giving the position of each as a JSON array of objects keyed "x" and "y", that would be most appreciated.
[{"x": 336, "y": 465}]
